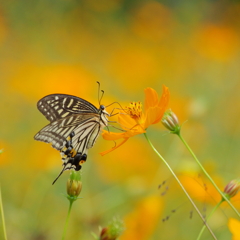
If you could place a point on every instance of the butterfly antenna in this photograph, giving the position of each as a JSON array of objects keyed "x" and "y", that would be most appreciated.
[
  {"x": 59, "y": 175},
  {"x": 98, "y": 92},
  {"x": 100, "y": 98}
]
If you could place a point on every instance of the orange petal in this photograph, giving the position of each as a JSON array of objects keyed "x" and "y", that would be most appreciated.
[
  {"x": 112, "y": 135},
  {"x": 159, "y": 114},
  {"x": 164, "y": 98},
  {"x": 151, "y": 98},
  {"x": 152, "y": 115},
  {"x": 125, "y": 121},
  {"x": 117, "y": 146}
]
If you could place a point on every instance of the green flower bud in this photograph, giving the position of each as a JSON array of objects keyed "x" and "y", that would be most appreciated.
[
  {"x": 113, "y": 230},
  {"x": 170, "y": 121},
  {"x": 232, "y": 188},
  {"x": 74, "y": 184}
]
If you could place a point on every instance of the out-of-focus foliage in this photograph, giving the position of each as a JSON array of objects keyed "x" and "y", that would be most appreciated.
[{"x": 65, "y": 46}]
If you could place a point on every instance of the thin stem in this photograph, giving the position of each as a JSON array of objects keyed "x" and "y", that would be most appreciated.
[
  {"x": 67, "y": 220},
  {"x": 208, "y": 176},
  {"x": 2, "y": 216},
  {"x": 180, "y": 184},
  {"x": 204, "y": 226}
]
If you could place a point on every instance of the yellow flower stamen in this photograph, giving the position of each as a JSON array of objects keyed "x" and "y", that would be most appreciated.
[{"x": 134, "y": 109}]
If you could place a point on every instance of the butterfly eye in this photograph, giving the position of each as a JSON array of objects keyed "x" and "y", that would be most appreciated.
[{"x": 102, "y": 107}]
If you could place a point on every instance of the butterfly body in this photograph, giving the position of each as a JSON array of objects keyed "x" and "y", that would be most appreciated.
[{"x": 74, "y": 127}]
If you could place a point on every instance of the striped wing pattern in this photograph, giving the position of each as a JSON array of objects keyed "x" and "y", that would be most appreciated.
[
  {"x": 84, "y": 134},
  {"x": 57, "y": 132},
  {"x": 57, "y": 106},
  {"x": 74, "y": 127}
]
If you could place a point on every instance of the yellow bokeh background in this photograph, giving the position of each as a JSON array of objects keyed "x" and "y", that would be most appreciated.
[{"x": 66, "y": 46}]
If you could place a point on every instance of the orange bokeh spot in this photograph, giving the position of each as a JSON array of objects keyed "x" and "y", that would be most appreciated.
[
  {"x": 132, "y": 65},
  {"x": 35, "y": 81},
  {"x": 42, "y": 156},
  {"x": 234, "y": 226},
  {"x": 134, "y": 162},
  {"x": 153, "y": 21},
  {"x": 216, "y": 42},
  {"x": 141, "y": 222},
  {"x": 200, "y": 188},
  {"x": 6, "y": 153}
]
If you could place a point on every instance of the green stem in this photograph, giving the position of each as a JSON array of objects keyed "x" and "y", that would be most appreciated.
[
  {"x": 180, "y": 184},
  {"x": 67, "y": 220},
  {"x": 208, "y": 176},
  {"x": 2, "y": 216},
  {"x": 204, "y": 226}
]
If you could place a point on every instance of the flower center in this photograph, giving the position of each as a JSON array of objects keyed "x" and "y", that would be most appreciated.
[{"x": 134, "y": 109}]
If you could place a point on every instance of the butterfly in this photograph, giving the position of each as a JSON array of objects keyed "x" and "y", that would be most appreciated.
[{"x": 74, "y": 127}]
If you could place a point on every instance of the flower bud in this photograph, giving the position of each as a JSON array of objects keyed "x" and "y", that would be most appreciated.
[
  {"x": 170, "y": 121},
  {"x": 74, "y": 184},
  {"x": 113, "y": 230},
  {"x": 232, "y": 188}
]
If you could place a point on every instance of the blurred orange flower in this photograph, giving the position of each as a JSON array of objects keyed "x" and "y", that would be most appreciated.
[
  {"x": 135, "y": 121},
  {"x": 143, "y": 220},
  {"x": 234, "y": 226}
]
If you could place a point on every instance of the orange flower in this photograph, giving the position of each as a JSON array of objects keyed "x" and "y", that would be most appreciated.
[
  {"x": 135, "y": 121},
  {"x": 143, "y": 219},
  {"x": 234, "y": 225}
]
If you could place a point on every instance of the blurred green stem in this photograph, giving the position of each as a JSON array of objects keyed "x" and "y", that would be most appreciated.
[
  {"x": 180, "y": 184},
  {"x": 208, "y": 176},
  {"x": 2, "y": 216},
  {"x": 67, "y": 220},
  {"x": 204, "y": 226}
]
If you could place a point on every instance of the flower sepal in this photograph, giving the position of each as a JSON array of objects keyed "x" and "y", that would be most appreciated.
[{"x": 71, "y": 198}]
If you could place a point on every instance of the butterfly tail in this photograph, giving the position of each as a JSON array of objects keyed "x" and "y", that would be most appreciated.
[{"x": 59, "y": 175}]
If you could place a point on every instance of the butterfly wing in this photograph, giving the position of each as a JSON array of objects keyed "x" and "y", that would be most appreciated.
[
  {"x": 58, "y": 131},
  {"x": 57, "y": 106},
  {"x": 72, "y": 136},
  {"x": 74, "y": 127}
]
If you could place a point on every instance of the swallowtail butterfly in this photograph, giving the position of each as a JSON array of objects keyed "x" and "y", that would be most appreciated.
[{"x": 74, "y": 127}]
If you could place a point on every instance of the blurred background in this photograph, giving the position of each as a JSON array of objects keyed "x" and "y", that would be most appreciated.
[{"x": 65, "y": 46}]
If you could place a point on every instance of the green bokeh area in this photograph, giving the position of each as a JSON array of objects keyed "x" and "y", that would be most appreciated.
[{"x": 65, "y": 46}]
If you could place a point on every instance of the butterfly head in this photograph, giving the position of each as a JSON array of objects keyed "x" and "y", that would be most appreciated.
[{"x": 103, "y": 112}]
